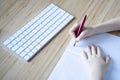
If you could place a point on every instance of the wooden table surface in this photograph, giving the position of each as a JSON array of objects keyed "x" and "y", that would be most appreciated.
[{"x": 15, "y": 13}]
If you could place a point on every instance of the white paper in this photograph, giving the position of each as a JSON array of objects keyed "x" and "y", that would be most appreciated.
[{"x": 71, "y": 66}]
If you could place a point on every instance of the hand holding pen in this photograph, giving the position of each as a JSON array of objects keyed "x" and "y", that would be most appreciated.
[
  {"x": 81, "y": 31},
  {"x": 76, "y": 30},
  {"x": 80, "y": 27}
]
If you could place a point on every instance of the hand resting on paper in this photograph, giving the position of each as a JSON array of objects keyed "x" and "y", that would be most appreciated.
[{"x": 95, "y": 63}]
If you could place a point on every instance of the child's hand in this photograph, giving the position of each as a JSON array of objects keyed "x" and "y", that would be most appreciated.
[
  {"x": 87, "y": 31},
  {"x": 95, "y": 62}
]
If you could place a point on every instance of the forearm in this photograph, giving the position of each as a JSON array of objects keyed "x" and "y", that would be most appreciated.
[{"x": 108, "y": 26}]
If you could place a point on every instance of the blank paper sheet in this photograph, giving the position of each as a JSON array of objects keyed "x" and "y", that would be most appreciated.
[{"x": 71, "y": 65}]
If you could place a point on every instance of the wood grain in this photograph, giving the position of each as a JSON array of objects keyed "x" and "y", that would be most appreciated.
[{"x": 15, "y": 13}]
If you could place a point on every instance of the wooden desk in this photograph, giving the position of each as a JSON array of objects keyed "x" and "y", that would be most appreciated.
[{"x": 15, "y": 13}]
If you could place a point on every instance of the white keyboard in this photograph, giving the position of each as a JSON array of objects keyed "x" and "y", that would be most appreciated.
[{"x": 27, "y": 41}]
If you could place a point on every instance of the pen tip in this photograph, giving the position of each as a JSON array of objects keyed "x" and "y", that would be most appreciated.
[{"x": 74, "y": 44}]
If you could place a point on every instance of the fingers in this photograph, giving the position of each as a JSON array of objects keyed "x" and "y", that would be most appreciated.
[
  {"x": 73, "y": 30},
  {"x": 89, "y": 51},
  {"x": 85, "y": 56},
  {"x": 107, "y": 59},
  {"x": 93, "y": 50},
  {"x": 81, "y": 36},
  {"x": 99, "y": 52}
]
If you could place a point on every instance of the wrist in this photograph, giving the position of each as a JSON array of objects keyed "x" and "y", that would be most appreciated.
[
  {"x": 96, "y": 77},
  {"x": 98, "y": 29}
]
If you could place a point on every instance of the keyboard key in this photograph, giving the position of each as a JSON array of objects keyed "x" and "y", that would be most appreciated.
[
  {"x": 22, "y": 29},
  {"x": 11, "y": 38},
  {"x": 31, "y": 54},
  {"x": 20, "y": 44},
  {"x": 30, "y": 47},
  {"x": 14, "y": 42},
  {"x": 15, "y": 35},
  {"x": 38, "y": 47},
  {"x": 27, "y": 57},
  {"x": 32, "y": 39},
  {"x": 28, "y": 42},
  {"x": 19, "y": 31},
  {"x": 26, "y": 26},
  {"x": 23, "y": 40},
  {"x": 7, "y": 42},
  {"x": 15, "y": 48},
  {"x": 27, "y": 50},
  {"x": 21, "y": 36},
  {"x": 19, "y": 50},
  {"x": 23, "y": 54},
  {"x": 25, "y": 45},
  {"x": 34, "y": 44},
  {"x": 10, "y": 46},
  {"x": 34, "y": 50},
  {"x": 25, "y": 32}
]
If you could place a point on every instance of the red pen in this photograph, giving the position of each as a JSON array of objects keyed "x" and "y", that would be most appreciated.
[{"x": 80, "y": 27}]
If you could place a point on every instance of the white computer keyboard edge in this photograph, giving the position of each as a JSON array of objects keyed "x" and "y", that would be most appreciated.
[{"x": 44, "y": 42}]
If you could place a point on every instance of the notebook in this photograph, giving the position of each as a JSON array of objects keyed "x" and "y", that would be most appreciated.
[{"x": 71, "y": 66}]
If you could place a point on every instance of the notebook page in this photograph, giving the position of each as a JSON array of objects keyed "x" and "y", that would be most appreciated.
[{"x": 71, "y": 65}]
